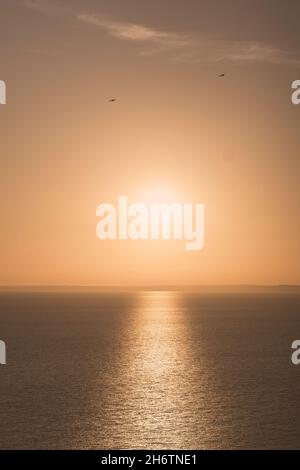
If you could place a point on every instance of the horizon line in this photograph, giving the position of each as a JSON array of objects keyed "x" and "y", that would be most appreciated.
[{"x": 149, "y": 286}]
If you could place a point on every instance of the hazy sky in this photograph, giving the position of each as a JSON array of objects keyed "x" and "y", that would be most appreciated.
[{"x": 232, "y": 144}]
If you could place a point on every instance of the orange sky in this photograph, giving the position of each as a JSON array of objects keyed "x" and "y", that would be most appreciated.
[{"x": 232, "y": 144}]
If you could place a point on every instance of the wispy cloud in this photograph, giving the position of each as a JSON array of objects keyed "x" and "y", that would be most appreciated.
[
  {"x": 178, "y": 46},
  {"x": 188, "y": 48},
  {"x": 255, "y": 52},
  {"x": 237, "y": 52},
  {"x": 136, "y": 32}
]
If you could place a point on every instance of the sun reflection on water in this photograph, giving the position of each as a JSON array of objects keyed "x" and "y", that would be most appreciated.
[{"x": 157, "y": 403}]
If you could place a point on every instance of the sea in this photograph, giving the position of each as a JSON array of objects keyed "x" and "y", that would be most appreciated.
[{"x": 155, "y": 369}]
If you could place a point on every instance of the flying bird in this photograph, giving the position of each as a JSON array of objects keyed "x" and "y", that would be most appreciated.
[{"x": 222, "y": 75}]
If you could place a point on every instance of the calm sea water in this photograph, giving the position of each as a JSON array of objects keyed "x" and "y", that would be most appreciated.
[{"x": 149, "y": 370}]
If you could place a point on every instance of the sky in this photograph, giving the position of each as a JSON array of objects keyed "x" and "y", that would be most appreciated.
[{"x": 176, "y": 129}]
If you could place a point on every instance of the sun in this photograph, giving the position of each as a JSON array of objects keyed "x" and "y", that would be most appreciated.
[{"x": 159, "y": 195}]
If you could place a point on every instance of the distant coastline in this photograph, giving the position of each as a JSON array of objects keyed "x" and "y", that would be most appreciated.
[{"x": 247, "y": 288}]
